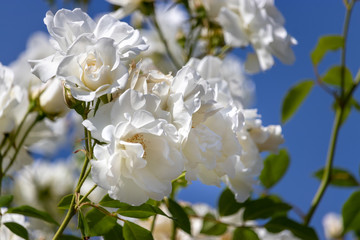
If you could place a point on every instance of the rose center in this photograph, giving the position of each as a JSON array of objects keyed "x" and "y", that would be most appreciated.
[
  {"x": 95, "y": 73},
  {"x": 138, "y": 138}
]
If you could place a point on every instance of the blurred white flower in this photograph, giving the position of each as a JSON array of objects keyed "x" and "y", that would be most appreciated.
[
  {"x": 333, "y": 226},
  {"x": 48, "y": 136},
  {"x": 5, "y": 233},
  {"x": 255, "y": 22},
  {"x": 51, "y": 98},
  {"x": 43, "y": 184},
  {"x": 89, "y": 55},
  {"x": 13, "y": 101},
  {"x": 266, "y": 138},
  {"x": 172, "y": 23},
  {"x": 126, "y": 7},
  {"x": 142, "y": 154},
  {"x": 14, "y": 104},
  {"x": 96, "y": 195},
  {"x": 263, "y": 234}
]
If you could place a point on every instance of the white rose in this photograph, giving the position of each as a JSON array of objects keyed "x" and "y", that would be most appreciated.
[
  {"x": 51, "y": 98},
  {"x": 92, "y": 69},
  {"x": 126, "y": 7},
  {"x": 260, "y": 24},
  {"x": 212, "y": 149},
  {"x": 274, "y": 139},
  {"x": 142, "y": 155},
  {"x": 89, "y": 54},
  {"x": 333, "y": 226}
]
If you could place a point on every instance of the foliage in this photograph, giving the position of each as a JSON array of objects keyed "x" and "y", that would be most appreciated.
[{"x": 153, "y": 121}]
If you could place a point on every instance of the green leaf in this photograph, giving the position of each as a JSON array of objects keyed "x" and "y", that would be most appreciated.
[
  {"x": 5, "y": 200},
  {"x": 115, "y": 233},
  {"x": 179, "y": 183},
  {"x": 132, "y": 231},
  {"x": 17, "y": 229},
  {"x": 333, "y": 77},
  {"x": 227, "y": 203},
  {"x": 211, "y": 226},
  {"x": 351, "y": 213},
  {"x": 32, "y": 212},
  {"x": 82, "y": 225},
  {"x": 180, "y": 217},
  {"x": 355, "y": 104},
  {"x": 279, "y": 224},
  {"x": 339, "y": 177},
  {"x": 107, "y": 201},
  {"x": 99, "y": 223},
  {"x": 143, "y": 211},
  {"x": 325, "y": 44},
  {"x": 189, "y": 211},
  {"x": 68, "y": 237},
  {"x": 294, "y": 98},
  {"x": 264, "y": 208},
  {"x": 245, "y": 233},
  {"x": 65, "y": 202},
  {"x": 275, "y": 166}
]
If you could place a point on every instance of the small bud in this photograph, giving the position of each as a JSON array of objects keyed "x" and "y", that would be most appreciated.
[
  {"x": 333, "y": 226},
  {"x": 51, "y": 99},
  {"x": 73, "y": 103},
  {"x": 70, "y": 101}
]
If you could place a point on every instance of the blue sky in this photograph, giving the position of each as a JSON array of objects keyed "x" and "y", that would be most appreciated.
[{"x": 306, "y": 135}]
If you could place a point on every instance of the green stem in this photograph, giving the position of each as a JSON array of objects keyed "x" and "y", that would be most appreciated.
[
  {"x": 13, "y": 138},
  {"x": 343, "y": 52},
  {"x": 174, "y": 230},
  {"x": 329, "y": 162},
  {"x": 6, "y": 136},
  {"x": 87, "y": 194},
  {"x": 162, "y": 38},
  {"x": 83, "y": 175},
  {"x": 69, "y": 215},
  {"x": 17, "y": 149},
  {"x": 154, "y": 219}
]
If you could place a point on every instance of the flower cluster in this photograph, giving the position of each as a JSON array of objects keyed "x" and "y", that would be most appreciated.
[
  {"x": 156, "y": 126},
  {"x": 242, "y": 23},
  {"x": 148, "y": 123}
]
